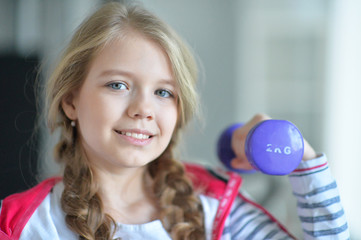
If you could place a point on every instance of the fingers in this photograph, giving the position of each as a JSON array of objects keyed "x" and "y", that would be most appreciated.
[
  {"x": 309, "y": 153},
  {"x": 259, "y": 117},
  {"x": 241, "y": 163},
  {"x": 238, "y": 141}
]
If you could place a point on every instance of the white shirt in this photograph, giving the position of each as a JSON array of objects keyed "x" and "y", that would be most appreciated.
[{"x": 48, "y": 222}]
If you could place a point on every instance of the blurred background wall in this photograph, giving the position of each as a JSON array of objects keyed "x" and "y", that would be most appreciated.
[{"x": 296, "y": 60}]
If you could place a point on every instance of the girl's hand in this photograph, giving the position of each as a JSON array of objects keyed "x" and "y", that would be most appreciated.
[
  {"x": 239, "y": 138},
  {"x": 308, "y": 153}
]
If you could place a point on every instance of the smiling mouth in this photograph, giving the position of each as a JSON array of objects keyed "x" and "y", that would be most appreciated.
[{"x": 135, "y": 135}]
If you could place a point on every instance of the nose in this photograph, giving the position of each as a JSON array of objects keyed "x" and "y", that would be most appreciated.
[{"x": 141, "y": 108}]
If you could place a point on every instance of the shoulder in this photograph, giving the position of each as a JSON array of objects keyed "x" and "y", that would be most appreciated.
[
  {"x": 209, "y": 182},
  {"x": 17, "y": 209},
  {"x": 228, "y": 212},
  {"x": 218, "y": 190}
]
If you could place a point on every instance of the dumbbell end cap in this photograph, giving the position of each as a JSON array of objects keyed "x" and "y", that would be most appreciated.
[{"x": 274, "y": 147}]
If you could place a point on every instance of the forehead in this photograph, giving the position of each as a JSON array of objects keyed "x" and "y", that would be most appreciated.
[{"x": 133, "y": 54}]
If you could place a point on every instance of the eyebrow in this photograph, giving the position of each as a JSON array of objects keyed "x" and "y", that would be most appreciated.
[{"x": 112, "y": 72}]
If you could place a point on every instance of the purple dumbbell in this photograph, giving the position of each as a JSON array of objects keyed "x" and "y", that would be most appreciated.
[{"x": 274, "y": 147}]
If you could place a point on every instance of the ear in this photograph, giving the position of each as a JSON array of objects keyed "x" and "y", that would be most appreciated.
[{"x": 69, "y": 106}]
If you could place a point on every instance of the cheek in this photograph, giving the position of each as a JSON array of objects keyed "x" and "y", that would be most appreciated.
[
  {"x": 170, "y": 119},
  {"x": 98, "y": 109},
  {"x": 97, "y": 115}
]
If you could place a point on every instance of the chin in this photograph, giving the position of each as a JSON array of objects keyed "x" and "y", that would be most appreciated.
[{"x": 136, "y": 163}]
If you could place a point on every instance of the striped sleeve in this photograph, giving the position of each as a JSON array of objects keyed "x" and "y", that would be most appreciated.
[{"x": 318, "y": 201}]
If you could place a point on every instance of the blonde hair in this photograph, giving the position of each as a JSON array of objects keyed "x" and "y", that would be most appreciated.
[{"x": 181, "y": 210}]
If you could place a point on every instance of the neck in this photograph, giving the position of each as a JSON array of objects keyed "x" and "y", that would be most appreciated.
[{"x": 127, "y": 195}]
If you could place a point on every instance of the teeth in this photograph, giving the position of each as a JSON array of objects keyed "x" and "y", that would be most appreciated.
[{"x": 135, "y": 135}]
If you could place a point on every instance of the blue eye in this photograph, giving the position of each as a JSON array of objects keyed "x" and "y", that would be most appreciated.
[
  {"x": 163, "y": 93},
  {"x": 118, "y": 86}
]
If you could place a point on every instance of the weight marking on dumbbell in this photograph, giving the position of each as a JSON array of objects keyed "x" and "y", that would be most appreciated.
[{"x": 286, "y": 150}]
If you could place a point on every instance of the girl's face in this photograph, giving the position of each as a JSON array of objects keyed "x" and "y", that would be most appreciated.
[{"x": 126, "y": 109}]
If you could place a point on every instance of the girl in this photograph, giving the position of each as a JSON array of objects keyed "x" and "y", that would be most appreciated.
[{"x": 121, "y": 93}]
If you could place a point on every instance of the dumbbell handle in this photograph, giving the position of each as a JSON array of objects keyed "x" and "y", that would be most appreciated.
[{"x": 274, "y": 147}]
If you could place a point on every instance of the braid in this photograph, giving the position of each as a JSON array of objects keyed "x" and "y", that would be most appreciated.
[
  {"x": 80, "y": 201},
  {"x": 181, "y": 210}
]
